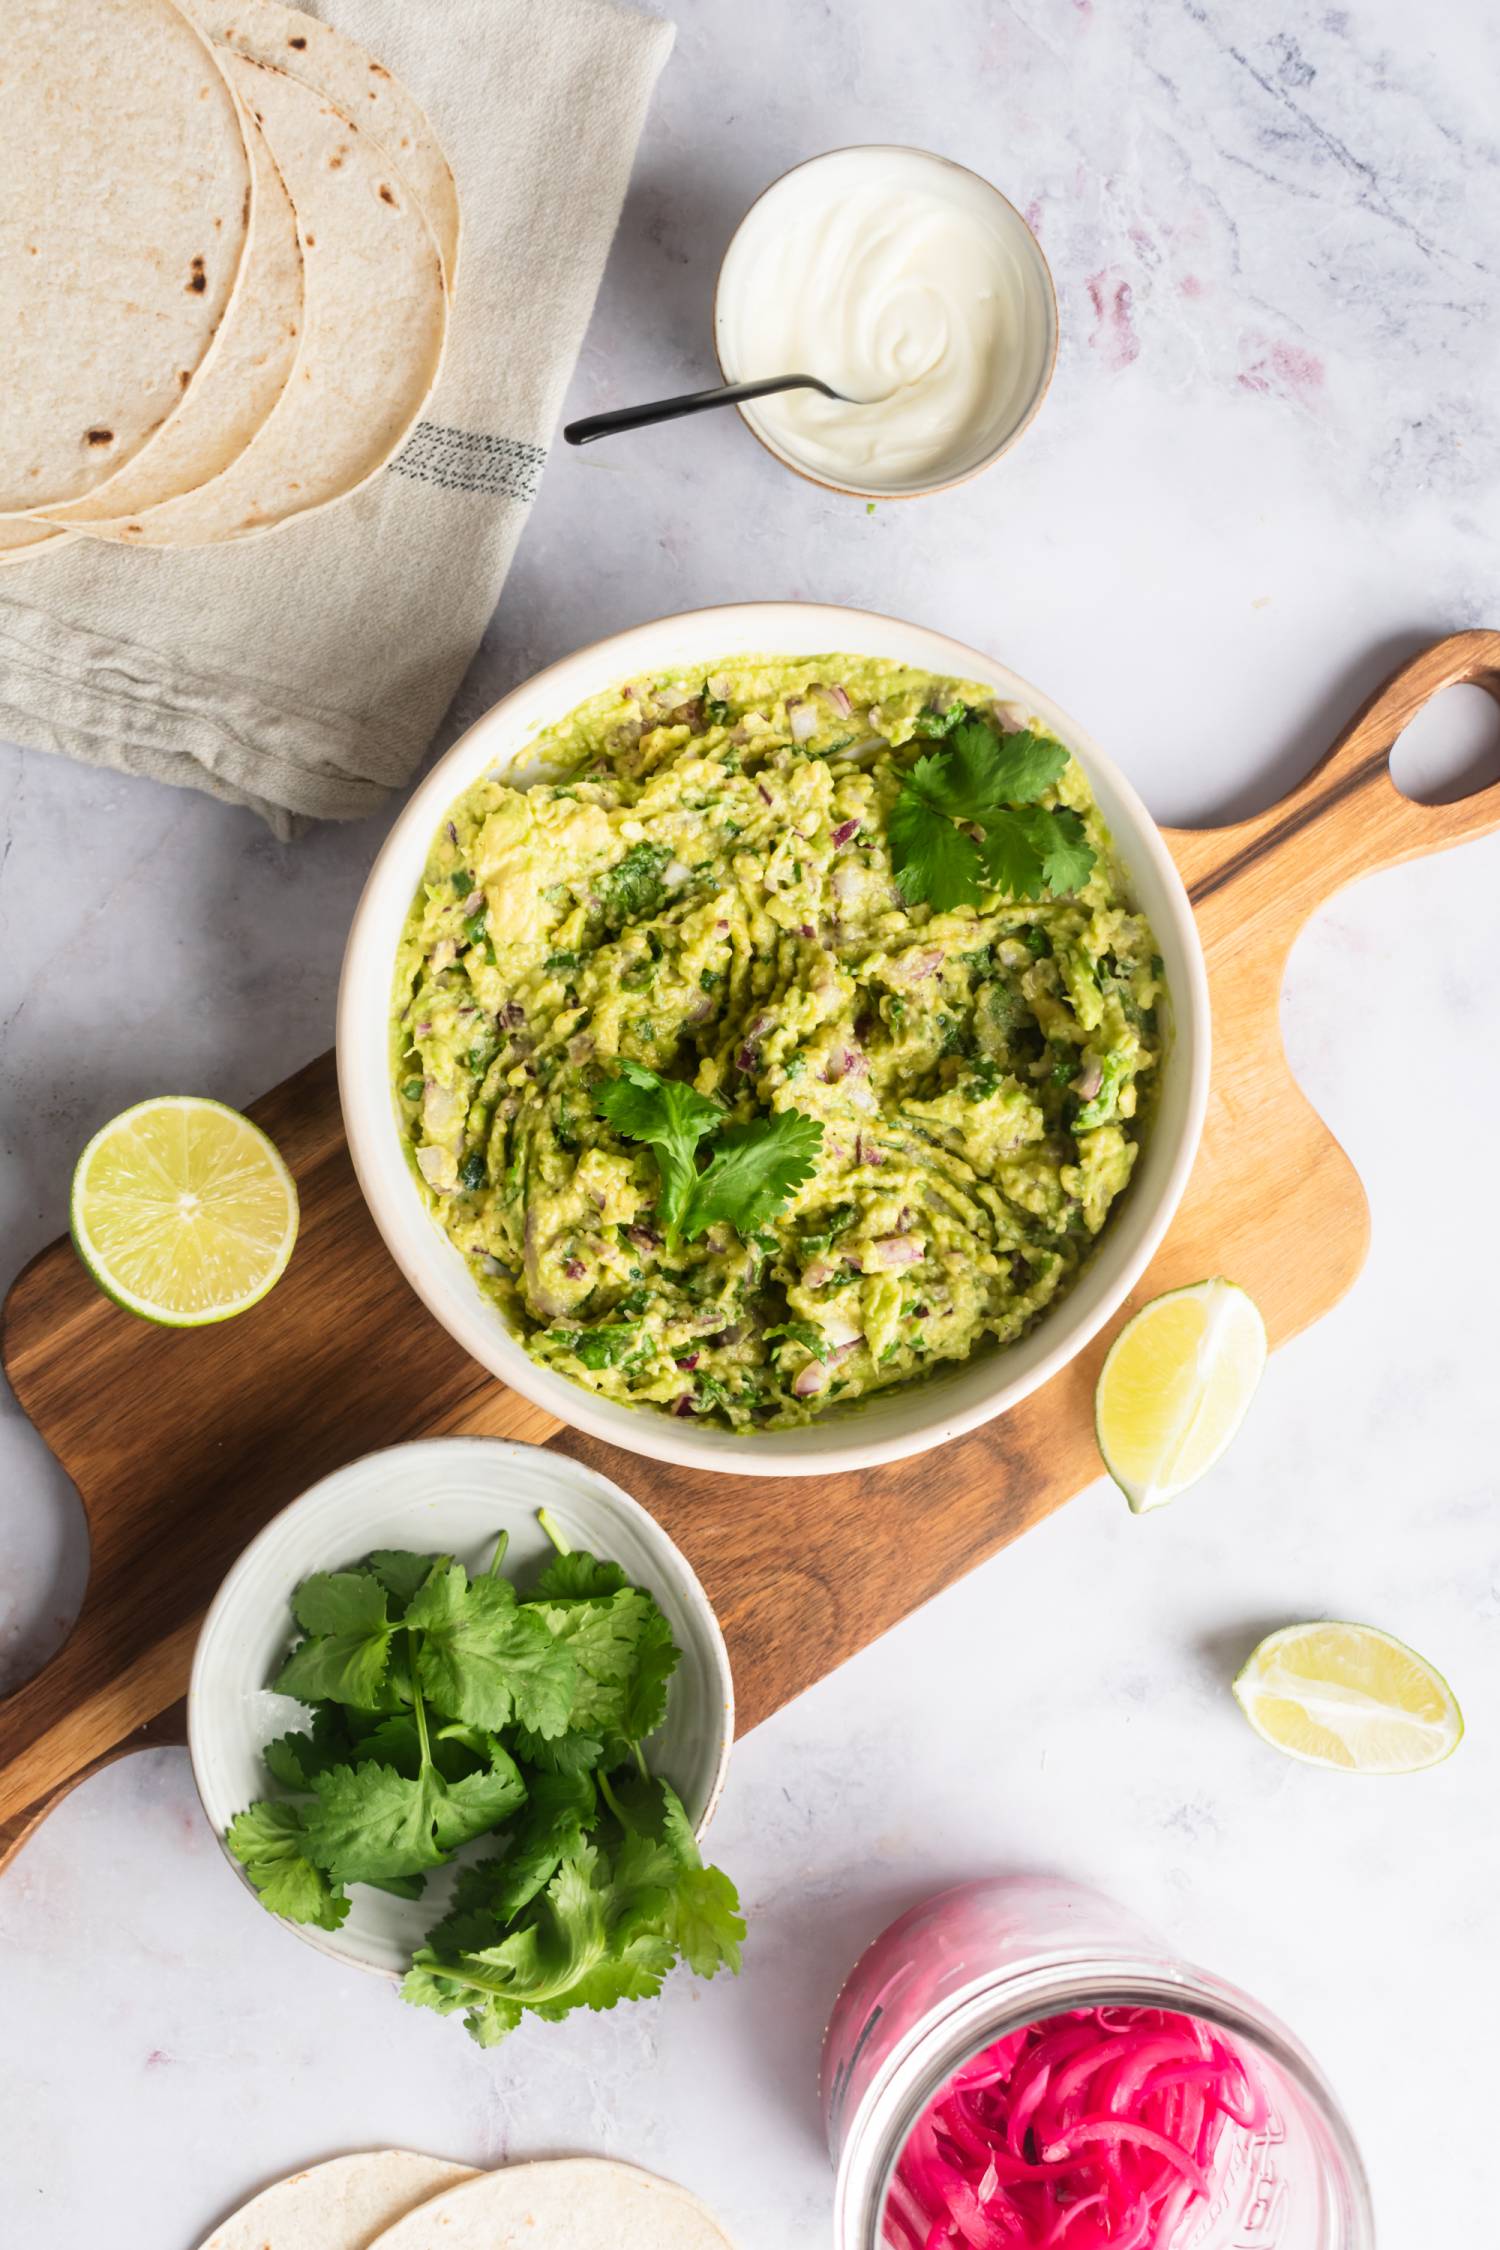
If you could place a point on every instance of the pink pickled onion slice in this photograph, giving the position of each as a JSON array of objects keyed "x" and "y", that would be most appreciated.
[
  {"x": 1125, "y": 2134},
  {"x": 1098, "y": 2129}
]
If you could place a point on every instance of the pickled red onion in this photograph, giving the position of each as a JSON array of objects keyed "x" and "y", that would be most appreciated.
[{"x": 1094, "y": 2130}]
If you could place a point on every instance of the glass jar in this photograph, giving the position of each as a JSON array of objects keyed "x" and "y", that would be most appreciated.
[{"x": 986, "y": 1959}]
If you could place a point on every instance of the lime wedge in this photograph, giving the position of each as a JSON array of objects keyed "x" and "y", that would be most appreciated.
[
  {"x": 1175, "y": 1387},
  {"x": 183, "y": 1211},
  {"x": 1349, "y": 1696}
]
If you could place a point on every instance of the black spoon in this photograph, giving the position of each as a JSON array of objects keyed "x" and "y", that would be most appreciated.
[{"x": 695, "y": 402}]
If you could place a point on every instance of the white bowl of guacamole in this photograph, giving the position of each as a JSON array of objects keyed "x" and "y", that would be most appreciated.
[{"x": 774, "y": 1039}]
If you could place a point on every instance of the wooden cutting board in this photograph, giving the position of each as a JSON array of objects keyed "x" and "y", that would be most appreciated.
[{"x": 183, "y": 1444}]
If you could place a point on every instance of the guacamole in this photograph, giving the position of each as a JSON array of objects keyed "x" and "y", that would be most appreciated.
[{"x": 708, "y": 889}]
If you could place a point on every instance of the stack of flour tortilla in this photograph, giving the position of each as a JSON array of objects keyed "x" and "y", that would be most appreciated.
[
  {"x": 393, "y": 2199},
  {"x": 229, "y": 247}
]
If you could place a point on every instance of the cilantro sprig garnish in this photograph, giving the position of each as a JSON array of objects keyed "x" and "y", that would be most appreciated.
[
  {"x": 967, "y": 821},
  {"x": 753, "y": 1169},
  {"x": 446, "y": 1708}
]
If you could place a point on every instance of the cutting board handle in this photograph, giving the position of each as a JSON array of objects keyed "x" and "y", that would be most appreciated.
[
  {"x": 1409, "y": 828},
  {"x": 1348, "y": 818}
]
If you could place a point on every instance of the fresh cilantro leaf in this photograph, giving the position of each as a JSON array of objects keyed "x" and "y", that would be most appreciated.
[
  {"x": 454, "y": 1750},
  {"x": 269, "y": 1843},
  {"x": 1005, "y": 841},
  {"x": 482, "y": 1659},
  {"x": 432, "y": 1983},
  {"x": 635, "y": 1969},
  {"x": 370, "y": 1822},
  {"x": 704, "y": 1923},
  {"x": 933, "y": 860},
  {"x": 399, "y": 1571},
  {"x": 698, "y": 1906},
  {"x": 344, "y": 1658},
  {"x": 625, "y": 1655},
  {"x": 1020, "y": 768},
  {"x": 1012, "y": 863},
  {"x": 293, "y": 1759},
  {"x": 1067, "y": 860},
  {"x": 755, "y": 1170},
  {"x": 559, "y": 1810},
  {"x": 657, "y": 1657},
  {"x": 573, "y": 1752},
  {"x": 579, "y": 1576},
  {"x": 753, "y": 1167},
  {"x": 400, "y": 1886},
  {"x": 672, "y": 1118}
]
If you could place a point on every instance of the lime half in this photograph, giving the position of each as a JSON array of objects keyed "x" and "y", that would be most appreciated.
[
  {"x": 183, "y": 1211},
  {"x": 1349, "y": 1696},
  {"x": 1175, "y": 1387}
]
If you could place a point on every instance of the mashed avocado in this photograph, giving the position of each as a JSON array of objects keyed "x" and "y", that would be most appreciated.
[{"x": 706, "y": 889}]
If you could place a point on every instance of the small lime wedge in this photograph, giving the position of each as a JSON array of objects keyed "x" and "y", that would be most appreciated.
[
  {"x": 1349, "y": 1696},
  {"x": 1175, "y": 1387},
  {"x": 183, "y": 1211}
]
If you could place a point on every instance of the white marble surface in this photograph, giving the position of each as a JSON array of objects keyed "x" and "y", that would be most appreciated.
[{"x": 1270, "y": 465}]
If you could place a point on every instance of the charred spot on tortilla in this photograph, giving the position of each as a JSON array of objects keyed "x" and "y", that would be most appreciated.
[
  {"x": 184, "y": 377},
  {"x": 99, "y": 437},
  {"x": 387, "y": 197},
  {"x": 336, "y": 161},
  {"x": 297, "y": 40},
  {"x": 197, "y": 278},
  {"x": 380, "y": 70}
]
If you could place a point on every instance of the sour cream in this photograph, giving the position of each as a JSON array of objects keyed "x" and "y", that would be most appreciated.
[{"x": 909, "y": 284}]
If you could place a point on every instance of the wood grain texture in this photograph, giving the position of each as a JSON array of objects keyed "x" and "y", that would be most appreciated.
[{"x": 183, "y": 1444}]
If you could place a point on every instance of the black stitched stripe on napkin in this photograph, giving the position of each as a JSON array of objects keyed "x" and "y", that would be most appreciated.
[{"x": 471, "y": 461}]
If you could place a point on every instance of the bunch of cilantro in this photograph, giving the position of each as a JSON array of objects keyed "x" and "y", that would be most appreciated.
[
  {"x": 967, "y": 820},
  {"x": 446, "y": 1708}
]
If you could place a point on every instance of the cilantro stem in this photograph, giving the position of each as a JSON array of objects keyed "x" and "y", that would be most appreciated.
[
  {"x": 640, "y": 1759},
  {"x": 419, "y": 1708},
  {"x": 611, "y": 1799},
  {"x": 554, "y": 1530},
  {"x": 499, "y": 1555}
]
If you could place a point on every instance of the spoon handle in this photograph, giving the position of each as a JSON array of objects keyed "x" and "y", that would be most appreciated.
[{"x": 692, "y": 402}]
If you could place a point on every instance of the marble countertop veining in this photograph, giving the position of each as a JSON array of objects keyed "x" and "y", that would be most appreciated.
[{"x": 1269, "y": 466}]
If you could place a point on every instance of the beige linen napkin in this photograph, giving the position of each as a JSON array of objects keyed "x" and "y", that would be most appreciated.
[{"x": 305, "y": 673}]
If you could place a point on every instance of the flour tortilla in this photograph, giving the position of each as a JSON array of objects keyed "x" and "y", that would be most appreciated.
[
  {"x": 581, "y": 2203},
  {"x": 375, "y": 320},
  {"x": 126, "y": 189},
  {"x": 354, "y": 82},
  {"x": 342, "y": 2205},
  {"x": 250, "y": 367},
  {"x": 20, "y": 540}
]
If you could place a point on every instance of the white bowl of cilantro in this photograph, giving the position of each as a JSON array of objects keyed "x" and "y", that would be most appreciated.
[
  {"x": 774, "y": 1040},
  {"x": 460, "y": 1715}
]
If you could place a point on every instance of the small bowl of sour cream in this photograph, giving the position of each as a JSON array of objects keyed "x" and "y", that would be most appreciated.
[{"x": 909, "y": 284}]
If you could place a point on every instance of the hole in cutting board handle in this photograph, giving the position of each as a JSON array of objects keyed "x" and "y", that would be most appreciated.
[
  {"x": 47, "y": 1554},
  {"x": 1451, "y": 749}
]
